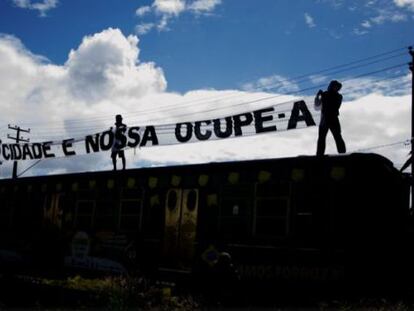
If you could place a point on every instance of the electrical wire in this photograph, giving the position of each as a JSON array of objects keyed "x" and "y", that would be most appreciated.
[
  {"x": 169, "y": 128},
  {"x": 28, "y": 168},
  {"x": 260, "y": 99},
  {"x": 273, "y": 96},
  {"x": 406, "y": 142},
  {"x": 266, "y": 87}
]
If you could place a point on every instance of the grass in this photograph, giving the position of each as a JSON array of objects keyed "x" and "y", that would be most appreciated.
[
  {"x": 137, "y": 293},
  {"x": 122, "y": 293}
]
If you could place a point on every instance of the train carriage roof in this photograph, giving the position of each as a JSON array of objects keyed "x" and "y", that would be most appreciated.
[{"x": 356, "y": 161}]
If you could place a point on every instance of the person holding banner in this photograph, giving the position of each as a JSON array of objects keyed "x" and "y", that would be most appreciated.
[
  {"x": 331, "y": 101},
  {"x": 117, "y": 147}
]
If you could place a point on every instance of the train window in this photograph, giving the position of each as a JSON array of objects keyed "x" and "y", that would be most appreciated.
[
  {"x": 272, "y": 207},
  {"x": 240, "y": 190},
  {"x": 132, "y": 193},
  {"x": 130, "y": 215},
  {"x": 234, "y": 207},
  {"x": 308, "y": 199},
  {"x": 273, "y": 189},
  {"x": 234, "y": 210},
  {"x": 304, "y": 224},
  {"x": 192, "y": 200},
  {"x": 271, "y": 227},
  {"x": 5, "y": 215},
  {"x": 86, "y": 194},
  {"x": 172, "y": 200},
  {"x": 105, "y": 214},
  {"x": 272, "y": 216},
  {"x": 85, "y": 210},
  {"x": 233, "y": 228}
]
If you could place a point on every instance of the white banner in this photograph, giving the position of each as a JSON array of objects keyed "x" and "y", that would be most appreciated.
[{"x": 280, "y": 117}]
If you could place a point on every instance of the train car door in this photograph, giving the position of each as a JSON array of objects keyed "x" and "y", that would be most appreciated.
[
  {"x": 53, "y": 210},
  {"x": 181, "y": 209}
]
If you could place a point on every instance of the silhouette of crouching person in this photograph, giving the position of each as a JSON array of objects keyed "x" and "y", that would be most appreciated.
[
  {"x": 226, "y": 279},
  {"x": 331, "y": 101},
  {"x": 116, "y": 147}
]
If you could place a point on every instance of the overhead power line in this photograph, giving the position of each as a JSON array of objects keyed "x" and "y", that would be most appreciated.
[
  {"x": 406, "y": 142},
  {"x": 221, "y": 97},
  {"x": 363, "y": 85}
]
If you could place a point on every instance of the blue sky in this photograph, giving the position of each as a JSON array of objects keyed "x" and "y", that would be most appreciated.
[
  {"x": 68, "y": 66},
  {"x": 232, "y": 44}
]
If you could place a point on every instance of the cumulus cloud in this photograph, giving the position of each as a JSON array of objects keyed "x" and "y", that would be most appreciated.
[
  {"x": 106, "y": 64},
  {"x": 172, "y": 7},
  {"x": 164, "y": 10},
  {"x": 41, "y": 6},
  {"x": 103, "y": 76}
]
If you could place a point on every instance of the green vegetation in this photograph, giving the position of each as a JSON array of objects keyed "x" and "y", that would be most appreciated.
[
  {"x": 138, "y": 293},
  {"x": 122, "y": 293},
  {"x": 367, "y": 305}
]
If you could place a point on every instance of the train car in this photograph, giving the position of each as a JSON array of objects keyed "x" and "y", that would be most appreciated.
[{"x": 332, "y": 220}]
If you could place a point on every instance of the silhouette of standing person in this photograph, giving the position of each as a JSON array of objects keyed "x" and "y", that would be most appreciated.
[
  {"x": 331, "y": 101},
  {"x": 120, "y": 128}
]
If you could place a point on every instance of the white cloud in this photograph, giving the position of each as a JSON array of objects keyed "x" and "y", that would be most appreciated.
[
  {"x": 169, "y": 7},
  {"x": 42, "y": 6},
  {"x": 359, "y": 32},
  {"x": 203, "y": 6},
  {"x": 144, "y": 28},
  {"x": 380, "y": 17},
  {"x": 334, "y": 3},
  {"x": 317, "y": 79},
  {"x": 375, "y": 13},
  {"x": 394, "y": 85},
  {"x": 141, "y": 11},
  {"x": 163, "y": 23},
  {"x": 107, "y": 63},
  {"x": 366, "y": 24},
  {"x": 165, "y": 10},
  {"x": 409, "y": 4},
  {"x": 276, "y": 83},
  {"x": 103, "y": 76},
  {"x": 385, "y": 15},
  {"x": 309, "y": 20},
  {"x": 371, "y": 3}
]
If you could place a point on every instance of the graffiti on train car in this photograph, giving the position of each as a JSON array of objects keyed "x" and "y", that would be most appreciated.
[{"x": 291, "y": 272}]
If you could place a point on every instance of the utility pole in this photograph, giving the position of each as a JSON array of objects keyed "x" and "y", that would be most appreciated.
[
  {"x": 410, "y": 50},
  {"x": 17, "y": 139},
  {"x": 0, "y": 161}
]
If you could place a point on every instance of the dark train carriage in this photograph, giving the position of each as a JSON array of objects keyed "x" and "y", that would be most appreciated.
[{"x": 304, "y": 220}]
